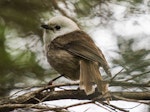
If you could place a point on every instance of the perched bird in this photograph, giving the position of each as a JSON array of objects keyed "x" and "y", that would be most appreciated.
[{"x": 71, "y": 52}]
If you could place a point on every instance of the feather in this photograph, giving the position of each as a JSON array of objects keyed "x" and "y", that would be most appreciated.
[
  {"x": 83, "y": 46},
  {"x": 89, "y": 74},
  {"x": 86, "y": 81}
]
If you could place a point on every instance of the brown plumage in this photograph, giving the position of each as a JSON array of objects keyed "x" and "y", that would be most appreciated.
[{"x": 75, "y": 55}]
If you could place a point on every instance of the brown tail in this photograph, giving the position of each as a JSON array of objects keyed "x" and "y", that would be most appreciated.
[{"x": 89, "y": 74}]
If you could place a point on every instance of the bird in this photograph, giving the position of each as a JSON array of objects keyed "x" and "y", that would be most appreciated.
[{"x": 73, "y": 53}]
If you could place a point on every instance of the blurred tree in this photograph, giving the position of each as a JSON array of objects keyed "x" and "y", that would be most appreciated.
[
  {"x": 134, "y": 62},
  {"x": 21, "y": 55},
  {"x": 22, "y": 19},
  {"x": 24, "y": 16}
]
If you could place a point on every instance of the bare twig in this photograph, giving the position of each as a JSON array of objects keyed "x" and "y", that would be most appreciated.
[
  {"x": 111, "y": 83},
  {"x": 116, "y": 75},
  {"x": 50, "y": 82},
  {"x": 138, "y": 75},
  {"x": 131, "y": 100},
  {"x": 3, "y": 108},
  {"x": 113, "y": 107},
  {"x": 43, "y": 94}
]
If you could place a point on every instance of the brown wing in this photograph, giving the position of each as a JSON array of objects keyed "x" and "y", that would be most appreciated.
[{"x": 80, "y": 44}]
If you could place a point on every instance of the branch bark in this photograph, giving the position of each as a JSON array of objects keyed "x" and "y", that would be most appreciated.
[{"x": 44, "y": 94}]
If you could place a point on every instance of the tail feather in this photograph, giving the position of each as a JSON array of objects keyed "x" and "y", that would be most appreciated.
[
  {"x": 89, "y": 73},
  {"x": 86, "y": 78}
]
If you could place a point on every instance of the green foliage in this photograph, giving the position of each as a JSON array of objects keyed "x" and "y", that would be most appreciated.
[
  {"x": 133, "y": 1},
  {"x": 133, "y": 61},
  {"x": 24, "y": 13},
  {"x": 25, "y": 16},
  {"x": 83, "y": 8}
]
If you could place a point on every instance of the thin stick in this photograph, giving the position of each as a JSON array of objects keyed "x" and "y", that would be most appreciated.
[
  {"x": 50, "y": 82},
  {"x": 116, "y": 75}
]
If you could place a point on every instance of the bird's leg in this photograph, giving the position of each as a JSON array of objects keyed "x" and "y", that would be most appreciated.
[
  {"x": 51, "y": 81},
  {"x": 105, "y": 93}
]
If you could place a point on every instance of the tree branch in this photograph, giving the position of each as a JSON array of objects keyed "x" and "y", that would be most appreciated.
[
  {"x": 111, "y": 83},
  {"x": 45, "y": 94}
]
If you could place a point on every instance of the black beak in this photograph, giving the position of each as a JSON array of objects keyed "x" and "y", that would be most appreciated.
[{"x": 47, "y": 27}]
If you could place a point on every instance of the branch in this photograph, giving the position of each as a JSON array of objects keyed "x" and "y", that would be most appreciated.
[
  {"x": 138, "y": 75},
  {"x": 55, "y": 4},
  {"x": 44, "y": 94},
  {"x": 9, "y": 107},
  {"x": 111, "y": 83},
  {"x": 129, "y": 84}
]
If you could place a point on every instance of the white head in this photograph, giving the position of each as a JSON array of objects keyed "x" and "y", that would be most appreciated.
[{"x": 58, "y": 26}]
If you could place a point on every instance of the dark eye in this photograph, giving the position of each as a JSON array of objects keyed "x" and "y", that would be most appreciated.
[{"x": 57, "y": 27}]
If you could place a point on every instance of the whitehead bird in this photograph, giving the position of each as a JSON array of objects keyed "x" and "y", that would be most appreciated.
[{"x": 72, "y": 52}]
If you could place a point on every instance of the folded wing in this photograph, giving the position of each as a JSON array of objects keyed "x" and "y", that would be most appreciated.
[{"x": 81, "y": 45}]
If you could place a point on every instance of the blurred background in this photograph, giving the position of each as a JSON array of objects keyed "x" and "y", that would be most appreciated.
[{"x": 121, "y": 28}]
